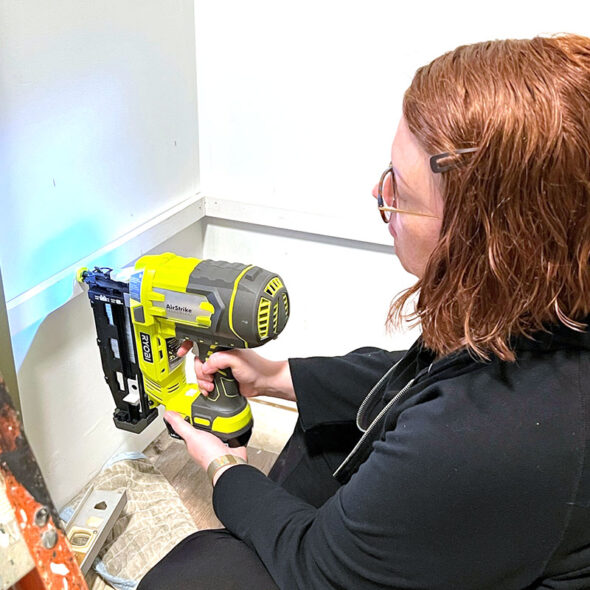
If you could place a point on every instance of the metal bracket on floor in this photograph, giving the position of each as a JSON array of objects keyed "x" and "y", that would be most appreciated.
[{"x": 91, "y": 522}]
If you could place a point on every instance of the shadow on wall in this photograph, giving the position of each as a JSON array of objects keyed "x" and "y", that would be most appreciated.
[
  {"x": 37, "y": 265},
  {"x": 34, "y": 262},
  {"x": 26, "y": 316},
  {"x": 55, "y": 254}
]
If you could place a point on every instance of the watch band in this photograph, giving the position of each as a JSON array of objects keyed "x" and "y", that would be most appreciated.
[{"x": 220, "y": 462}]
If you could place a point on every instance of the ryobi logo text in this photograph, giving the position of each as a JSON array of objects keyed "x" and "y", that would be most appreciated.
[{"x": 146, "y": 347}]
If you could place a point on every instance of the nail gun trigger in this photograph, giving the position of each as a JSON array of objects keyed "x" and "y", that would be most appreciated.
[{"x": 171, "y": 431}]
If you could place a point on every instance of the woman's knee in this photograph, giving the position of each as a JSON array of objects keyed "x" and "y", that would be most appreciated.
[{"x": 209, "y": 559}]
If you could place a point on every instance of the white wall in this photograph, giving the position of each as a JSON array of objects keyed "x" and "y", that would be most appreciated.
[
  {"x": 98, "y": 129},
  {"x": 98, "y": 144},
  {"x": 298, "y": 101}
]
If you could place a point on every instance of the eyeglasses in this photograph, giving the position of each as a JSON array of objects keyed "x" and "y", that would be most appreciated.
[
  {"x": 387, "y": 194},
  {"x": 387, "y": 200}
]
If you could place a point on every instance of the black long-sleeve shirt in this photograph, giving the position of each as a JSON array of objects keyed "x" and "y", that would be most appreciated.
[{"x": 476, "y": 477}]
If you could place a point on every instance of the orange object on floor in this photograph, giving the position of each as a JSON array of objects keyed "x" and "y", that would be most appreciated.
[{"x": 25, "y": 495}]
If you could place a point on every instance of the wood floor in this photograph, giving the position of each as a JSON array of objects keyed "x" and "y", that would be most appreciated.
[{"x": 190, "y": 481}]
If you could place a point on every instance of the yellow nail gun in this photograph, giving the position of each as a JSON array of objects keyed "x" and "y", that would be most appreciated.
[{"x": 144, "y": 313}]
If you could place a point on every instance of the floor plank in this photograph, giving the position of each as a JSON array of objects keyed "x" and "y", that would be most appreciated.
[
  {"x": 195, "y": 491},
  {"x": 190, "y": 481}
]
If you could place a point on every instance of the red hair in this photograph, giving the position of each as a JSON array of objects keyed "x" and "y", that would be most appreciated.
[{"x": 514, "y": 249}]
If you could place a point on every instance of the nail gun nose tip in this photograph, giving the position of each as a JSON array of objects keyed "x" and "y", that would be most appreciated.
[{"x": 81, "y": 274}]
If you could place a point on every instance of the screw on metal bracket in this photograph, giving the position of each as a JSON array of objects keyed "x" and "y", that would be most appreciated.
[
  {"x": 49, "y": 539},
  {"x": 41, "y": 517}
]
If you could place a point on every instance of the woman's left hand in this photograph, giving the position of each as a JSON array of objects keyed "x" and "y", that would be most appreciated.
[{"x": 202, "y": 446}]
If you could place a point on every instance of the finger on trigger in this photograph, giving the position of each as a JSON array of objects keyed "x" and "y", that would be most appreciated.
[
  {"x": 202, "y": 376},
  {"x": 210, "y": 366},
  {"x": 184, "y": 348},
  {"x": 204, "y": 387},
  {"x": 175, "y": 420}
]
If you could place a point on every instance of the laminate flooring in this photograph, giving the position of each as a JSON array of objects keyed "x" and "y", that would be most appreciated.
[{"x": 190, "y": 481}]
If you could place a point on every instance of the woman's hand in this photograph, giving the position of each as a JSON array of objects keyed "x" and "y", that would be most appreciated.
[
  {"x": 202, "y": 446},
  {"x": 255, "y": 374}
]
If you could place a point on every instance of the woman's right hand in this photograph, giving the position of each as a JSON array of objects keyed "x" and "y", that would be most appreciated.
[{"x": 255, "y": 374}]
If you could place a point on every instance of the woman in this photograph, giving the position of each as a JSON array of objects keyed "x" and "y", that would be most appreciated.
[{"x": 473, "y": 470}]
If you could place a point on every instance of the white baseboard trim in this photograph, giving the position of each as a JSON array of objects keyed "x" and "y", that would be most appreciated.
[
  {"x": 34, "y": 305},
  {"x": 346, "y": 228}
]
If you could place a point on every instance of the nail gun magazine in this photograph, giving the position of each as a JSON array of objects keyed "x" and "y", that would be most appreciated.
[{"x": 145, "y": 312}]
